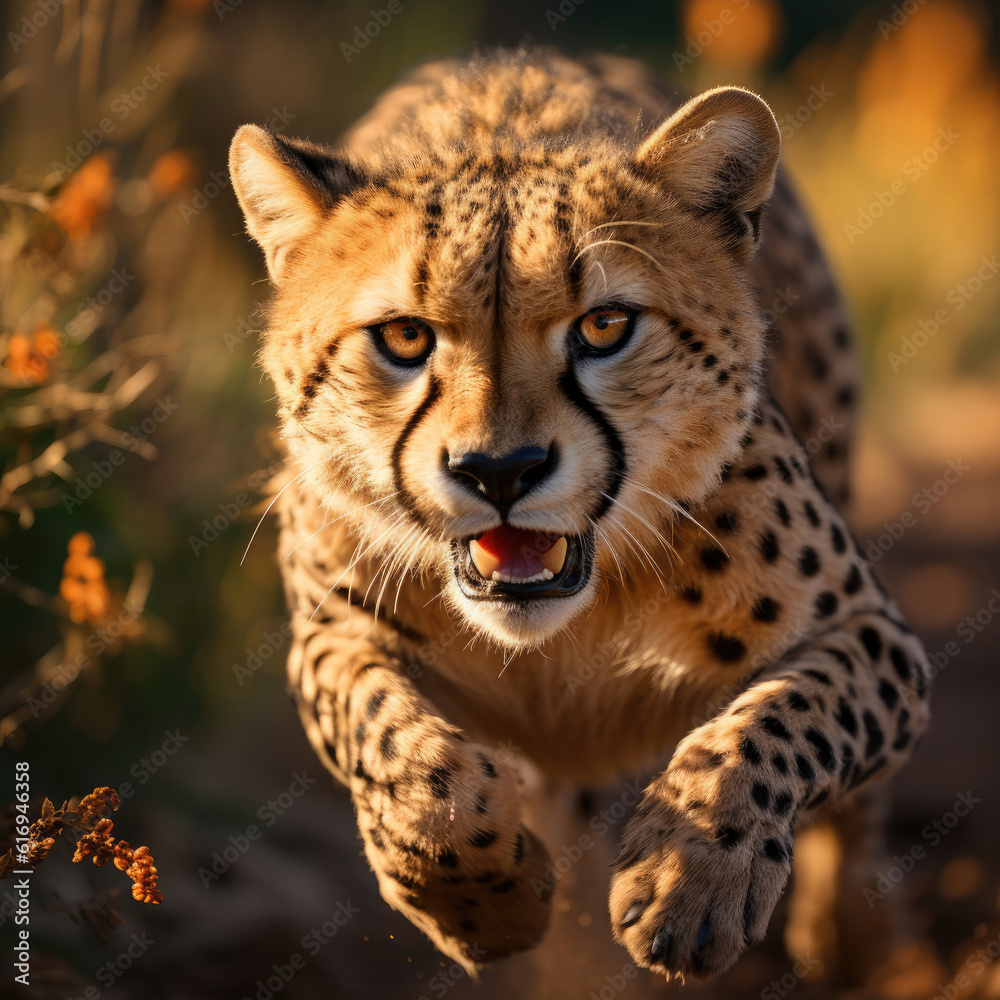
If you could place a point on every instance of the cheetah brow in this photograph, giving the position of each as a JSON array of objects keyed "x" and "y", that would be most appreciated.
[
  {"x": 618, "y": 243},
  {"x": 606, "y": 225}
]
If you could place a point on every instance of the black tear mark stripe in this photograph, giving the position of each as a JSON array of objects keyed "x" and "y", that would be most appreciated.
[
  {"x": 405, "y": 497},
  {"x": 619, "y": 465}
]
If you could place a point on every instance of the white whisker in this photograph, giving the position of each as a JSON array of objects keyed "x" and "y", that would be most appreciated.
[{"x": 271, "y": 504}]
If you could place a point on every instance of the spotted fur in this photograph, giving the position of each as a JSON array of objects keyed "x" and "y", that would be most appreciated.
[{"x": 498, "y": 200}]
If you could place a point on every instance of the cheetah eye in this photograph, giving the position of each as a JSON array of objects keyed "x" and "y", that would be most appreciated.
[
  {"x": 605, "y": 329},
  {"x": 404, "y": 341}
]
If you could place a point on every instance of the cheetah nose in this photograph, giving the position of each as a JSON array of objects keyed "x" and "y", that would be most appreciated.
[{"x": 504, "y": 480}]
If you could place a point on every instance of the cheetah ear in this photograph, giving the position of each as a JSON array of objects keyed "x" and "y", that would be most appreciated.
[
  {"x": 718, "y": 152},
  {"x": 285, "y": 187}
]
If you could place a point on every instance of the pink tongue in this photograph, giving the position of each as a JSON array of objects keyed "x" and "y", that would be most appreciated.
[{"x": 517, "y": 550}]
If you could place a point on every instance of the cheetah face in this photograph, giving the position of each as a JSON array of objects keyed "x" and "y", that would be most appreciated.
[{"x": 514, "y": 366}]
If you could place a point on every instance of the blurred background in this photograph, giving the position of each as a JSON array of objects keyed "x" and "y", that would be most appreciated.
[{"x": 136, "y": 436}]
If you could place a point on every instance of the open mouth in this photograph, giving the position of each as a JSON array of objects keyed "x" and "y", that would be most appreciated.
[{"x": 508, "y": 562}]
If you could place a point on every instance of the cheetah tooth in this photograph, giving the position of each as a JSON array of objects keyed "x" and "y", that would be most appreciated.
[
  {"x": 482, "y": 560},
  {"x": 555, "y": 558}
]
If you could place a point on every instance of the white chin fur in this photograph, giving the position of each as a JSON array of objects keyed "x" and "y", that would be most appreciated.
[{"x": 519, "y": 626}]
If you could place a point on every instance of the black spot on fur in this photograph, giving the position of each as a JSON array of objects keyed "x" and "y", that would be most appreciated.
[
  {"x": 845, "y": 717},
  {"x": 691, "y": 594},
  {"x": 888, "y": 693},
  {"x": 853, "y": 582},
  {"x": 488, "y": 767},
  {"x": 826, "y": 604},
  {"x": 773, "y": 725},
  {"x": 872, "y": 641},
  {"x": 805, "y": 769},
  {"x": 726, "y": 647},
  {"x": 749, "y": 751},
  {"x": 811, "y": 514},
  {"x": 782, "y": 510},
  {"x": 447, "y": 858},
  {"x": 873, "y": 731},
  {"x": 713, "y": 559},
  {"x": 900, "y": 663},
  {"x": 797, "y": 702},
  {"x": 728, "y": 837},
  {"x": 387, "y": 744},
  {"x": 818, "y": 675},
  {"x": 504, "y": 886},
  {"x": 765, "y": 609},
  {"x": 808, "y": 561},
  {"x": 375, "y": 703},
  {"x": 837, "y": 537},
  {"x": 769, "y": 546},
  {"x": 774, "y": 850},
  {"x": 482, "y": 838},
  {"x": 439, "y": 780},
  {"x": 779, "y": 763},
  {"x": 824, "y": 752},
  {"x": 760, "y": 794},
  {"x": 846, "y": 761},
  {"x": 779, "y": 464},
  {"x": 726, "y": 522},
  {"x": 755, "y": 472},
  {"x": 782, "y": 803}
]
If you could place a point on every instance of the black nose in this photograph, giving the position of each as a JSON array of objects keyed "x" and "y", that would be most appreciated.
[{"x": 503, "y": 481}]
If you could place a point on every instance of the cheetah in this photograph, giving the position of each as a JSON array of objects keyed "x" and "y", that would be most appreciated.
[{"x": 567, "y": 394}]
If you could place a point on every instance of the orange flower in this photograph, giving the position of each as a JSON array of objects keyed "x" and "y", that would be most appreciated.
[
  {"x": 83, "y": 586},
  {"x": 85, "y": 198},
  {"x": 171, "y": 172},
  {"x": 29, "y": 359}
]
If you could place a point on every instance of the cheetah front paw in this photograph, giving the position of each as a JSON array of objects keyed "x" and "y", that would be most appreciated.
[
  {"x": 451, "y": 854},
  {"x": 688, "y": 895}
]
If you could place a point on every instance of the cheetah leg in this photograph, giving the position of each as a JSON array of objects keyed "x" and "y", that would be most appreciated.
[
  {"x": 707, "y": 855},
  {"x": 832, "y": 930},
  {"x": 439, "y": 814}
]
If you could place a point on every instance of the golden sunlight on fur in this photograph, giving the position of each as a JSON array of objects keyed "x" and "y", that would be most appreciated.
[{"x": 561, "y": 475}]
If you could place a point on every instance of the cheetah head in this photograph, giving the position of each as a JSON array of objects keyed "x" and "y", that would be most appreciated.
[{"x": 516, "y": 364}]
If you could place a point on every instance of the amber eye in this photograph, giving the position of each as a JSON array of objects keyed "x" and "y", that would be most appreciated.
[
  {"x": 605, "y": 329},
  {"x": 405, "y": 341}
]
